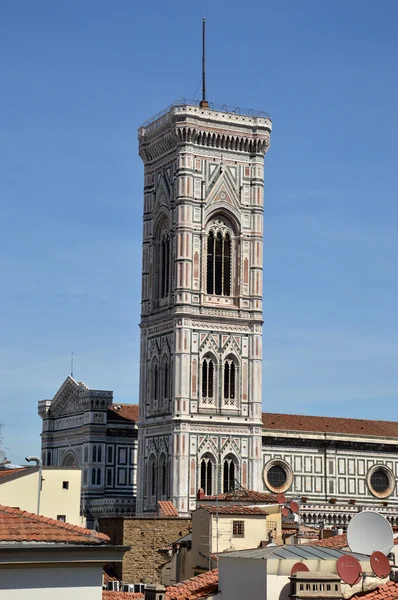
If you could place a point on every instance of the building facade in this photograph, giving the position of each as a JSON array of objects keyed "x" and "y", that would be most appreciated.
[
  {"x": 201, "y": 319},
  {"x": 83, "y": 428}
]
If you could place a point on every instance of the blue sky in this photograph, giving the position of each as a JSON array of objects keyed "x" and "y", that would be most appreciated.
[{"x": 77, "y": 80}]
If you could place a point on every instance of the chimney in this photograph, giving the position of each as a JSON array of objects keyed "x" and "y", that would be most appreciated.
[
  {"x": 201, "y": 494},
  {"x": 155, "y": 591}
]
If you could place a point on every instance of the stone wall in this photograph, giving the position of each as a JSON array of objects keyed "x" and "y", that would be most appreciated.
[{"x": 147, "y": 538}]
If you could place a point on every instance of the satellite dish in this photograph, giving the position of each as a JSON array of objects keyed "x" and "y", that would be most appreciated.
[
  {"x": 369, "y": 531},
  {"x": 2, "y": 456},
  {"x": 380, "y": 564},
  {"x": 285, "y": 511},
  {"x": 281, "y": 498},
  {"x": 349, "y": 569},
  {"x": 294, "y": 507},
  {"x": 299, "y": 566}
]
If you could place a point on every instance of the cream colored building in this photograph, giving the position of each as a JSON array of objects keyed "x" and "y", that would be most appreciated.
[
  {"x": 220, "y": 528},
  {"x": 59, "y": 494}
]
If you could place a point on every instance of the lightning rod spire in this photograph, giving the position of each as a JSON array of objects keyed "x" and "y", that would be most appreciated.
[{"x": 204, "y": 103}]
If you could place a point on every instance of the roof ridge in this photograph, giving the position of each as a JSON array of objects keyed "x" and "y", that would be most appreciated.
[
  {"x": 327, "y": 417},
  {"x": 49, "y": 521}
]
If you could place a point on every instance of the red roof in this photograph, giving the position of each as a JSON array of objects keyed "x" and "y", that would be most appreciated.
[
  {"x": 125, "y": 411},
  {"x": 197, "y": 587},
  {"x": 243, "y": 495},
  {"x": 166, "y": 509},
  {"x": 20, "y": 526},
  {"x": 239, "y": 509},
  {"x": 273, "y": 421},
  {"x": 5, "y": 472},
  {"x": 387, "y": 591},
  {"x": 109, "y": 595},
  {"x": 338, "y": 542}
]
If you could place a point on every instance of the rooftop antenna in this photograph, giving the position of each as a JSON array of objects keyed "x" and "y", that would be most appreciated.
[
  {"x": 71, "y": 364},
  {"x": 203, "y": 103}
]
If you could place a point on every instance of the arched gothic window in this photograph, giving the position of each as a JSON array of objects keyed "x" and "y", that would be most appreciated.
[
  {"x": 228, "y": 475},
  {"x": 164, "y": 265},
  {"x": 94, "y": 454},
  {"x": 218, "y": 280},
  {"x": 206, "y": 475},
  {"x": 98, "y": 476},
  {"x": 93, "y": 479},
  {"x": 162, "y": 260},
  {"x": 153, "y": 478},
  {"x": 99, "y": 454},
  {"x": 207, "y": 381},
  {"x": 155, "y": 384},
  {"x": 163, "y": 480},
  {"x": 48, "y": 457},
  {"x": 230, "y": 382},
  {"x": 165, "y": 382}
]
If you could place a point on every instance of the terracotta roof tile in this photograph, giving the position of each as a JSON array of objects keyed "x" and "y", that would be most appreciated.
[
  {"x": 197, "y": 587},
  {"x": 338, "y": 542},
  {"x": 239, "y": 509},
  {"x": 243, "y": 495},
  {"x": 5, "y": 472},
  {"x": 166, "y": 509},
  {"x": 388, "y": 590},
  {"x": 276, "y": 421},
  {"x": 129, "y": 412},
  {"x": 109, "y": 595},
  {"x": 20, "y": 526}
]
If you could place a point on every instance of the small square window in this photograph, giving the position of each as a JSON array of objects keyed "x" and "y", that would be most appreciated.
[
  {"x": 238, "y": 529},
  {"x": 65, "y": 485},
  {"x": 61, "y": 518}
]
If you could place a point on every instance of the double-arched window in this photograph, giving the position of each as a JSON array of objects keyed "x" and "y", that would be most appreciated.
[
  {"x": 219, "y": 254},
  {"x": 96, "y": 455},
  {"x": 210, "y": 374}
]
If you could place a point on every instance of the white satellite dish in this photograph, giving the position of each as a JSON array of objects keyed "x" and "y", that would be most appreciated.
[
  {"x": 369, "y": 531},
  {"x": 2, "y": 456}
]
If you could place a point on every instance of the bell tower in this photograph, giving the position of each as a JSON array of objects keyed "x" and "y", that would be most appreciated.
[{"x": 201, "y": 318}]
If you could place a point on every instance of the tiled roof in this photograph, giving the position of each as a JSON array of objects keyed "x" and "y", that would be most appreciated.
[
  {"x": 234, "y": 509},
  {"x": 275, "y": 421},
  {"x": 338, "y": 542},
  {"x": 244, "y": 495},
  {"x": 20, "y": 526},
  {"x": 108, "y": 574},
  {"x": 166, "y": 509},
  {"x": 197, "y": 587},
  {"x": 6, "y": 472},
  {"x": 130, "y": 412},
  {"x": 387, "y": 591},
  {"x": 109, "y": 595}
]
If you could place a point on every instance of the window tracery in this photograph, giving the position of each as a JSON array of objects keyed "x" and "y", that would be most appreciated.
[
  {"x": 208, "y": 380},
  {"x": 219, "y": 254},
  {"x": 206, "y": 475}
]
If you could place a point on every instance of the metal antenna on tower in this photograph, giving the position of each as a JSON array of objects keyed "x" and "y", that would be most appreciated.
[
  {"x": 71, "y": 364},
  {"x": 203, "y": 102}
]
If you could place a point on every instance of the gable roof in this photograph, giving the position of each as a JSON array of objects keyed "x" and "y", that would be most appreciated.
[
  {"x": 121, "y": 412},
  {"x": 21, "y": 526},
  {"x": 196, "y": 587},
  {"x": 243, "y": 495},
  {"x": 167, "y": 509},
  {"x": 237, "y": 509},
  {"x": 283, "y": 422}
]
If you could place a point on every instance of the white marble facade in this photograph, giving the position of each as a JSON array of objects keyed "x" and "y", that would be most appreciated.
[
  {"x": 83, "y": 428},
  {"x": 201, "y": 357}
]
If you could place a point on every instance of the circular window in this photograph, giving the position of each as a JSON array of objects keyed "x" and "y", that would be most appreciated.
[
  {"x": 278, "y": 475},
  {"x": 381, "y": 481}
]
